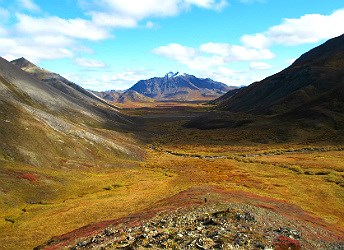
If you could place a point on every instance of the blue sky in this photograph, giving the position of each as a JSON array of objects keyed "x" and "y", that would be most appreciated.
[{"x": 111, "y": 44}]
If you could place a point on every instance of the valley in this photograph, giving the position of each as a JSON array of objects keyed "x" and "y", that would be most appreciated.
[
  {"x": 73, "y": 194},
  {"x": 260, "y": 167}
]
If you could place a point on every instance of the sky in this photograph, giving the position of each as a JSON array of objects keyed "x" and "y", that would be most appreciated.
[{"x": 112, "y": 44}]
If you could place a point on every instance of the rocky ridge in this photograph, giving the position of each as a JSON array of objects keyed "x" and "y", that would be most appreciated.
[{"x": 211, "y": 226}]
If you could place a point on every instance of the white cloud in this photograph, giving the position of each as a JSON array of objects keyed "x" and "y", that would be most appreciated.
[
  {"x": 208, "y": 4},
  {"x": 176, "y": 52},
  {"x": 74, "y": 28},
  {"x": 189, "y": 56},
  {"x": 233, "y": 77},
  {"x": 209, "y": 55},
  {"x": 108, "y": 20},
  {"x": 89, "y": 63},
  {"x": 52, "y": 37},
  {"x": 32, "y": 49},
  {"x": 49, "y": 37},
  {"x": 236, "y": 52},
  {"x": 133, "y": 11},
  {"x": 29, "y": 5},
  {"x": 310, "y": 28},
  {"x": 257, "y": 41},
  {"x": 52, "y": 41},
  {"x": 108, "y": 81},
  {"x": 259, "y": 66},
  {"x": 142, "y": 9},
  {"x": 3, "y": 31}
]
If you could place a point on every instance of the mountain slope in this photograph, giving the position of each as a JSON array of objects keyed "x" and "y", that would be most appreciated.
[
  {"x": 128, "y": 96},
  {"x": 41, "y": 122},
  {"x": 133, "y": 96},
  {"x": 180, "y": 87},
  {"x": 312, "y": 77},
  {"x": 58, "y": 151},
  {"x": 57, "y": 81},
  {"x": 303, "y": 103},
  {"x": 110, "y": 95}
]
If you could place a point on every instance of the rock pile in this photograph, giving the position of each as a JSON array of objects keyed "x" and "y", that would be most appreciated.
[{"x": 220, "y": 226}]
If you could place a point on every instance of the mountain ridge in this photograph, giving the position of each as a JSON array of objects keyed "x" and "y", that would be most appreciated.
[
  {"x": 180, "y": 87},
  {"x": 59, "y": 114},
  {"x": 316, "y": 72},
  {"x": 56, "y": 81}
]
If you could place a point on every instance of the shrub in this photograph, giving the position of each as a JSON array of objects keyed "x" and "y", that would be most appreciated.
[{"x": 286, "y": 243}]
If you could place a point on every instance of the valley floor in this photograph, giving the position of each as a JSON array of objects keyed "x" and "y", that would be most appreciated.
[{"x": 300, "y": 181}]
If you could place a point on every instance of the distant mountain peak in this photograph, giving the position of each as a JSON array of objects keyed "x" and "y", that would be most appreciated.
[
  {"x": 23, "y": 62},
  {"x": 180, "y": 87},
  {"x": 28, "y": 66}
]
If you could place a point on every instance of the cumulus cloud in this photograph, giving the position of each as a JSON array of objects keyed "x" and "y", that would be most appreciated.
[
  {"x": 107, "y": 81},
  {"x": 208, "y": 4},
  {"x": 211, "y": 54},
  {"x": 236, "y": 52},
  {"x": 46, "y": 38},
  {"x": 128, "y": 13},
  {"x": 310, "y": 28},
  {"x": 233, "y": 77},
  {"x": 189, "y": 56},
  {"x": 31, "y": 49},
  {"x": 89, "y": 63},
  {"x": 74, "y": 28},
  {"x": 257, "y": 41},
  {"x": 176, "y": 51},
  {"x": 53, "y": 37},
  {"x": 101, "y": 19},
  {"x": 29, "y": 5}
]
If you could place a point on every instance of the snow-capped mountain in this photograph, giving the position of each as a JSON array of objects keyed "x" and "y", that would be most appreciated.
[{"x": 181, "y": 87}]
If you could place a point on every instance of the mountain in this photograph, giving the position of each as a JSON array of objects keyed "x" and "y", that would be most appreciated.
[
  {"x": 57, "y": 143},
  {"x": 110, "y": 95},
  {"x": 133, "y": 96},
  {"x": 128, "y": 96},
  {"x": 315, "y": 79},
  {"x": 304, "y": 102},
  {"x": 180, "y": 87},
  {"x": 42, "y": 122},
  {"x": 56, "y": 81},
  {"x": 226, "y": 96}
]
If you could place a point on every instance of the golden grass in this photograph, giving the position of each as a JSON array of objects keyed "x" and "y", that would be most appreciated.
[
  {"x": 73, "y": 198},
  {"x": 73, "y": 193},
  {"x": 313, "y": 193}
]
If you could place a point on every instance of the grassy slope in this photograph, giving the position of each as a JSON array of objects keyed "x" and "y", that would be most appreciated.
[
  {"x": 71, "y": 198},
  {"x": 57, "y": 150}
]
